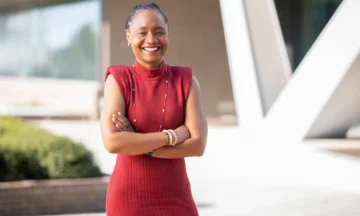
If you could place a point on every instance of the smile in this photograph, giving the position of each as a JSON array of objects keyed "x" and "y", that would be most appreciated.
[{"x": 151, "y": 49}]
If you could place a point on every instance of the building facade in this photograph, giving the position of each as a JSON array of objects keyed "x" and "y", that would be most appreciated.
[{"x": 242, "y": 59}]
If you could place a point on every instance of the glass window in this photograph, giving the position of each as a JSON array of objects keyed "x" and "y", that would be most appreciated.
[
  {"x": 59, "y": 41},
  {"x": 301, "y": 22}
]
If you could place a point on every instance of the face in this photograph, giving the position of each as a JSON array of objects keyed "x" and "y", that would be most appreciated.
[{"x": 148, "y": 36}]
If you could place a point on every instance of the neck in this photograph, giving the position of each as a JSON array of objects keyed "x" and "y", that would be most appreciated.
[{"x": 150, "y": 66}]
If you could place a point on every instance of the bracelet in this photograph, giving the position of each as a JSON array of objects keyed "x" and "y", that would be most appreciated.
[
  {"x": 170, "y": 137},
  {"x": 176, "y": 138}
]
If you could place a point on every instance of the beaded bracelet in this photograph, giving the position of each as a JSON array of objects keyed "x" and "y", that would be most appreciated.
[
  {"x": 167, "y": 137},
  {"x": 170, "y": 137},
  {"x": 176, "y": 138}
]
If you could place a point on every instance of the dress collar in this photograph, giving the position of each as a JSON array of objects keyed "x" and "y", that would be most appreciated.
[{"x": 146, "y": 73}]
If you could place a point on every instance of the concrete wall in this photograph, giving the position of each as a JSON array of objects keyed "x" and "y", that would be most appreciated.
[
  {"x": 343, "y": 109},
  {"x": 45, "y": 97},
  {"x": 196, "y": 40}
]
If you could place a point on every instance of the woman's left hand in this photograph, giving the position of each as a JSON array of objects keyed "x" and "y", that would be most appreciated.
[{"x": 122, "y": 123}]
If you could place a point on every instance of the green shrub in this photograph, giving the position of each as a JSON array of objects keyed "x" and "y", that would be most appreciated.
[
  {"x": 28, "y": 152},
  {"x": 16, "y": 165}
]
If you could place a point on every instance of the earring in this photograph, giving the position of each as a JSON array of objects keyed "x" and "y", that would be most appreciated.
[{"x": 128, "y": 44}]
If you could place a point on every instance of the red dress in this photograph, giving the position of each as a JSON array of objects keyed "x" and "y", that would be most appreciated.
[{"x": 142, "y": 185}]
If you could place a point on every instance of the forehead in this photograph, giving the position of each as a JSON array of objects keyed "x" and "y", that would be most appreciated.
[{"x": 147, "y": 18}]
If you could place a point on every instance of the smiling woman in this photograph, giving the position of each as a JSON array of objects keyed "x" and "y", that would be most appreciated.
[
  {"x": 152, "y": 118},
  {"x": 148, "y": 35}
]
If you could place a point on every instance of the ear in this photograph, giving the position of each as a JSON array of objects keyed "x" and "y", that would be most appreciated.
[{"x": 127, "y": 35}]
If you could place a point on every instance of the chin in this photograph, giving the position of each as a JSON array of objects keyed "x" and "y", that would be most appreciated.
[{"x": 153, "y": 60}]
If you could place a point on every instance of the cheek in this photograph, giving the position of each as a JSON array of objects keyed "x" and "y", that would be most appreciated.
[
  {"x": 136, "y": 49},
  {"x": 164, "y": 41},
  {"x": 136, "y": 42}
]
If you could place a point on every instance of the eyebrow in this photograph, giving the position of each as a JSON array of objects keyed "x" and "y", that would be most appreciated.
[{"x": 157, "y": 28}]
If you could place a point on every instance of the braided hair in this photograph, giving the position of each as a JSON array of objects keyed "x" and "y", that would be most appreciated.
[{"x": 137, "y": 8}]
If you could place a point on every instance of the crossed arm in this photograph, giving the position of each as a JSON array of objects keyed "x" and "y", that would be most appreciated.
[{"x": 131, "y": 143}]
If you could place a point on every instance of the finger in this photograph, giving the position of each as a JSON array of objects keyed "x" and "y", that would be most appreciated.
[
  {"x": 120, "y": 116},
  {"x": 118, "y": 127},
  {"x": 121, "y": 126},
  {"x": 123, "y": 120},
  {"x": 118, "y": 124},
  {"x": 115, "y": 121},
  {"x": 118, "y": 119}
]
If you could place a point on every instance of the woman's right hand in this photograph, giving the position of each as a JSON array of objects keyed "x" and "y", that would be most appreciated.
[{"x": 182, "y": 134}]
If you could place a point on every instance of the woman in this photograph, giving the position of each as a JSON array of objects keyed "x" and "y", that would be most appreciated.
[{"x": 152, "y": 118}]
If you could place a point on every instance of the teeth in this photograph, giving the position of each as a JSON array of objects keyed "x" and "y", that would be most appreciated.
[{"x": 151, "y": 49}]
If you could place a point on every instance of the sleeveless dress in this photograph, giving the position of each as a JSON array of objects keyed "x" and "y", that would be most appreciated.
[{"x": 142, "y": 185}]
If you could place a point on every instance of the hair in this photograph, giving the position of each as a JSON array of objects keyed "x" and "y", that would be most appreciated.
[{"x": 137, "y": 8}]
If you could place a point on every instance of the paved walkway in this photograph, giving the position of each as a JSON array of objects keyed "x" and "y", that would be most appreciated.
[{"x": 240, "y": 175}]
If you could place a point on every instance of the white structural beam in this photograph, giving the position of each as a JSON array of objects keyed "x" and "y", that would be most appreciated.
[
  {"x": 241, "y": 63},
  {"x": 318, "y": 76},
  {"x": 342, "y": 110},
  {"x": 268, "y": 45}
]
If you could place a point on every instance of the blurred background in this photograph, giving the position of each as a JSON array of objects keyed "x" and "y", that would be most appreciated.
[{"x": 280, "y": 81}]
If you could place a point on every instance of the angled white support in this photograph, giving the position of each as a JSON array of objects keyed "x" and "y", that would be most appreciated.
[
  {"x": 342, "y": 111},
  {"x": 268, "y": 45},
  {"x": 242, "y": 69},
  {"x": 317, "y": 77}
]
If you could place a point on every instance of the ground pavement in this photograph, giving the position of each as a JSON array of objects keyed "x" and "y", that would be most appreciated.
[{"x": 242, "y": 175}]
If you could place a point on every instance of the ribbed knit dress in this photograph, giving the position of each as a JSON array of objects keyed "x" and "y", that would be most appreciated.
[{"x": 142, "y": 185}]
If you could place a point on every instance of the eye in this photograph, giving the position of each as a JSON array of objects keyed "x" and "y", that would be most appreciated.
[
  {"x": 142, "y": 33},
  {"x": 160, "y": 33}
]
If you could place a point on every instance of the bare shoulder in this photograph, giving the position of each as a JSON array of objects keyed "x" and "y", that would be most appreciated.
[
  {"x": 109, "y": 80},
  {"x": 195, "y": 83}
]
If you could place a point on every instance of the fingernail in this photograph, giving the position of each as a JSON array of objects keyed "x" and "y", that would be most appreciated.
[
  {"x": 113, "y": 115},
  {"x": 119, "y": 113}
]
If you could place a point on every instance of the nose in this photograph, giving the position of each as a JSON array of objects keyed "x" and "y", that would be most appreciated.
[{"x": 151, "y": 38}]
